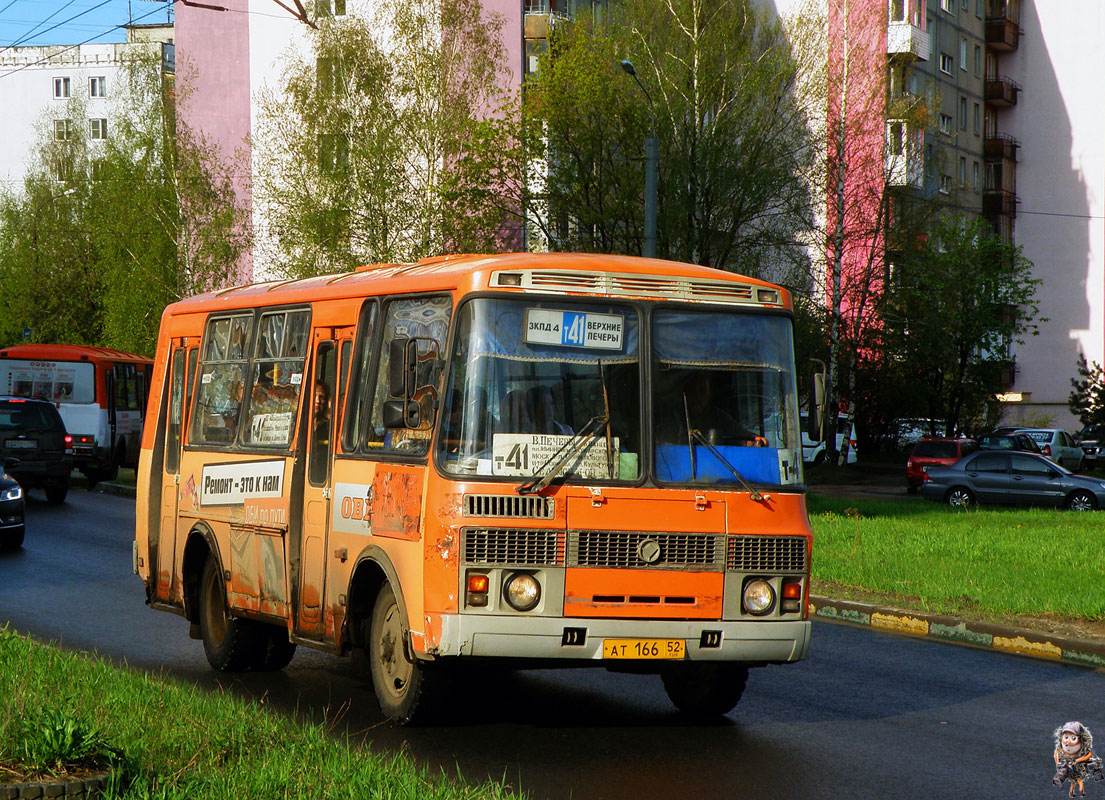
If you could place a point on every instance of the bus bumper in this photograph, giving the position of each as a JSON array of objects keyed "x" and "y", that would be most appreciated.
[{"x": 543, "y": 638}]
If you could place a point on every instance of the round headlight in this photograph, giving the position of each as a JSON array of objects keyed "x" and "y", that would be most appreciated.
[
  {"x": 759, "y": 597},
  {"x": 522, "y": 591}
]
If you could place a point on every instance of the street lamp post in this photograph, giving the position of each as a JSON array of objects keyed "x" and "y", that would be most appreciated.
[{"x": 652, "y": 163}]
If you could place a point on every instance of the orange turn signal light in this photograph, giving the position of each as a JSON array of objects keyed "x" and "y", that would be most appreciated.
[
  {"x": 478, "y": 584},
  {"x": 793, "y": 590}
]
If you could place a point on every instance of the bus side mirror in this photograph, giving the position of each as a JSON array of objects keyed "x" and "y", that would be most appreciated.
[
  {"x": 402, "y": 367},
  {"x": 402, "y": 414},
  {"x": 815, "y": 425}
]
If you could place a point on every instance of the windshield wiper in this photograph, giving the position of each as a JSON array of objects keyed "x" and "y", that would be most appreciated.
[
  {"x": 578, "y": 443},
  {"x": 695, "y": 435}
]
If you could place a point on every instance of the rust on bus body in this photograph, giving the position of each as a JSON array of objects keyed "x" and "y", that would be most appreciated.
[{"x": 397, "y": 503}]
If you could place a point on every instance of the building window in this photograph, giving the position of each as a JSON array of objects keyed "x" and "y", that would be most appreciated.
[
  {"x": 945, "y": 184},
  {"x": 97, "y": 87},
  {"x": 946, "y": 64},
  {"x": 974, "y": 175},
  {"x": 962, "y": 174},
  {"x": 946, "y": 124},
  {"x": 948, "y": 5},
  {"x": 963, "y": 54},
  {"x": 61, "y": 88},
  {"x": 978, "y": 8},
  {"x": 978, "y": 61},
  {"x": 97, "y": 129},
  {"x": 978, "y": 119},
  {"x": 966, "y": 5},
  {"x": 63, "y": 130},
  {"x": 962, "y": 113},
  {"x": 897, "y": 138}
]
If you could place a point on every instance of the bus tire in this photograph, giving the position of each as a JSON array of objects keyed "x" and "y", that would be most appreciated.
[
  {"x": 55, "y": 493},
  {"x": 278, "y": 649},
  {"x": 231, "y": 645},
  {"x": 402, "y": 685},
  {"x": 705, "y": 689}
]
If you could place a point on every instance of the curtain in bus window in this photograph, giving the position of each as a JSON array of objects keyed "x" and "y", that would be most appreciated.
[{"x": 277, "y": 378}]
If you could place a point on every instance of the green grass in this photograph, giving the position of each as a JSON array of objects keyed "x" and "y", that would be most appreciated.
[
  {"x": 1029, "y": 562},
  {"x": 180, "y": 741}
]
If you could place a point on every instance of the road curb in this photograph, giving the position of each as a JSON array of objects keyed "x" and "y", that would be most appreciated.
[
  {"x": 954, "y": 630},
  {"x": 120, "y": 489}
]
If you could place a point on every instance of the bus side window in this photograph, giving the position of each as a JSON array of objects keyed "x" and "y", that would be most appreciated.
[
  {"x": 343, "y": 376},
  {"x": 222, "y": 380},
  {"x": 176, "y": 413},
  {"x": 421, "y": 318},
  {"x": 358, "y": 400},
  {"x": 322, "y": 416}
]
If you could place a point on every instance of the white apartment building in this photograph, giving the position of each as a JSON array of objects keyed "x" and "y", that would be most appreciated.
[{"x": 37, "y": 83}]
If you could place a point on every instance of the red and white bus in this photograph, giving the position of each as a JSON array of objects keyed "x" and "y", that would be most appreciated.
[{"x": 100, "y": 393}]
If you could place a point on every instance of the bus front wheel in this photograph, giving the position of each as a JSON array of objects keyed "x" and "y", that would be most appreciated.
[
  {"x": 705, "y": 688},
  {"x": 402, "y": 684}
]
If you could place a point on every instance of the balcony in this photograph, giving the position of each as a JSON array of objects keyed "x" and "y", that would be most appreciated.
[
  {"x": 1000, "y": 147},
  {"x": 999, "y": 202},
  {"x": 1001, "y": 91},
  {"x": 1003, "y": 24},
  {"x": 906, "y": 39},
  {"x": 905, "y": 163}
]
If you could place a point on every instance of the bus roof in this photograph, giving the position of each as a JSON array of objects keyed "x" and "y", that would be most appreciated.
[
  {"x": 70, "y": 352},
  {"x": 557, "y": 273}
]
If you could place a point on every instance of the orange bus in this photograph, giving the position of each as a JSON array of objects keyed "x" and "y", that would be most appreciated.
[
  {"x": 100, "y": 393},
  {"x": 540, "y": 459}
]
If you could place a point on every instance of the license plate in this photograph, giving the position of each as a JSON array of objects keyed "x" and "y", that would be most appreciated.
[
  {"x": 644, "y": 648},
  {"x": 20, "y": 444}
]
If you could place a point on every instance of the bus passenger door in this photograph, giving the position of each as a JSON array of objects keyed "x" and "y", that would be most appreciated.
[
  {"x": 311, "y": 613},
  {"x": 167, "y": 579}
]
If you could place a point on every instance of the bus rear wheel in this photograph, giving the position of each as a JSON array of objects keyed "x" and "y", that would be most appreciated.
[
  {"x": 231, "y": 645},
  {"x": 403, "y": 685},
  {"x": 705, "y": 689}
]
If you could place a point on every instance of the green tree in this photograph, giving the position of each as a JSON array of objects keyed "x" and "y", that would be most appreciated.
[
  {"x": 106, "y": 233},
  {"x": 955, "y": 307},
  {"x": 380, "y": 144},
  {"x": 718, "y": 81},
  {"x": 1087, "y": 398}
]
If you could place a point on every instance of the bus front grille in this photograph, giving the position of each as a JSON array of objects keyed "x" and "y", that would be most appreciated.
[
  {"x": 498, "y": 505},
  {"x": 767, "y": 554},
  {"x": 646, "y": 550},
  {"x": 499, "y": 546}
]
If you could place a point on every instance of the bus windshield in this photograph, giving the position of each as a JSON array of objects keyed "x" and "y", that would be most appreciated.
[
  {"x": 724, "y": 398},
  {"x": 541, "y": 387},
  {"x": 529, "y": 376}
]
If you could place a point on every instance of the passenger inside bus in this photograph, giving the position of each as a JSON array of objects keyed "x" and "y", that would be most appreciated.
[
  {"x": 693, "y": 403},
  {"x": 320, "y": 435},
  {"x": 544, "y": 416}
]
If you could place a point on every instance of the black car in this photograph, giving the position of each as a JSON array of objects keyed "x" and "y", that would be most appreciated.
[
  {"x": 33, "y": 435},
  {"x": 1012, "y": 478},
  {"x": 11, "y": 511},
  {"x": 1091, "y": 439},
  {"x": 1008, "y": 441}
]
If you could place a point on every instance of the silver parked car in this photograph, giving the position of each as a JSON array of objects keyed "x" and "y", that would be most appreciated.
[
  {"x": 1058, "y": 445},
  {"x": 1012, "y": 478}
]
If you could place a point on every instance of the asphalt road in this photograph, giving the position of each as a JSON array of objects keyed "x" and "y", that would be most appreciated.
[{"x": 867, "y": 715}]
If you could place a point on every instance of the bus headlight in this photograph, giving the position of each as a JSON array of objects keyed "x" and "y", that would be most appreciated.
[
  {"x": 759, "y": 597},
  {"x": 522, "y": 591}
]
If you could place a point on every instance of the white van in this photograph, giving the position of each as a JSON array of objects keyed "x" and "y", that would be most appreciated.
[{"x": 814, "y": 452}]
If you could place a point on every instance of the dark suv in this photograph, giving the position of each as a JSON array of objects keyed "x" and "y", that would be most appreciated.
[
  {"x": 32, "y": 433},
  {"x": 1091, "y": 439}
]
